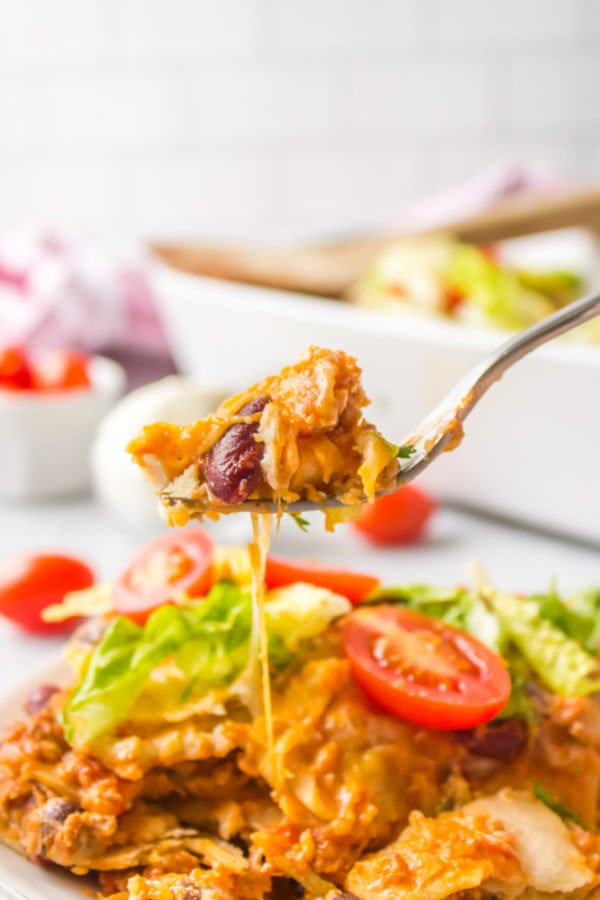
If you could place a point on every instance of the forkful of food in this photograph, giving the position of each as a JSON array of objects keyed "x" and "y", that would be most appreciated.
[{"x": 298, "y": 441}]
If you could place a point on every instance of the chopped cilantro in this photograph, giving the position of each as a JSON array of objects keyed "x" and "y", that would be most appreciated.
[
  {"x": 303, "y": 524},
  {"x": 560, "y": 809},
  {"x": 406, "y": 451}
]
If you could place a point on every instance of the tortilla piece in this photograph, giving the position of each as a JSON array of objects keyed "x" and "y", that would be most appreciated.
[{"x": 508, "y": 845}]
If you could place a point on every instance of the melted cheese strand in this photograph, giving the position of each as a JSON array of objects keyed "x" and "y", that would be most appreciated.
[{"x": 261, "y": 530}]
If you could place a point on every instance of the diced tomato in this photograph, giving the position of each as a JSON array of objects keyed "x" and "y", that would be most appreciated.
[
  {"x": 49, "y": 370},
  {"x": 59, "y": 370},
  {"x": 30, "y": 583},
  {"x": 453, "y": 298},
  {"x": 15, "y": 371},
  {"x": 423, "y": 670},
  {"x": 397, "y": 518},
  {"x": 355, "y": 586},
  {"x": 175, "y": 563}
]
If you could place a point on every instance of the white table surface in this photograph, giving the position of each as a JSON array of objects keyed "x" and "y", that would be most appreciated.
[{"x": 514, "y": 559}]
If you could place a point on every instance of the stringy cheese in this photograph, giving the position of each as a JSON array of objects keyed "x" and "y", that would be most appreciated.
[{"x": 259, "y": 647}]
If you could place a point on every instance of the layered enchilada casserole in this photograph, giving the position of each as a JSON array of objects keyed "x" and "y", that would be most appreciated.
[
  {"x": 242, "y": 727},
  {"x": 426, "y": 743}
]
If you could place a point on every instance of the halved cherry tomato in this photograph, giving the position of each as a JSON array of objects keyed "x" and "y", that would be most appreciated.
[
  {"x": 15, "y": 371},
  {"x": 423, "y": 670},
  {"x": 398, "y": 518},
  {"x": 173, "y": 563},
  {"x": 58, "y": 370},
  {"x": 355, "y": 586},
  {"x": 30, "y": 583}
]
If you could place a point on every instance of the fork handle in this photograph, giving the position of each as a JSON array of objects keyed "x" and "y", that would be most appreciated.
[
  {"x": 524, "y": 342},
  {"x": 442, "y": 428}
]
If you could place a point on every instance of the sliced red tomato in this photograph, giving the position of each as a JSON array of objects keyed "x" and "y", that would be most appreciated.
[
  {"x": 355, "y": 586},
  {"x": 174, "y": 563},
  {"x": 30, "y": 583},
  {"x": 15, "y": 372},
  {"x": 59, "y": 370},
  {"x": 423, "y": 670},
  {"x": 397, "y": 518}
]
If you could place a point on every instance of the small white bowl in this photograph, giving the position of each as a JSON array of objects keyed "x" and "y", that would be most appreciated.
[{"x": 46, "y": 436}]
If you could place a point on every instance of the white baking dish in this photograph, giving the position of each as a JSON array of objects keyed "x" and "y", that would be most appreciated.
[{"x": 531, "y": 449}]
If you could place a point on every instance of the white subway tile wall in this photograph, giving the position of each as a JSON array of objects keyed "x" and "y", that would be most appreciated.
[{"x": 240, "y": 117}]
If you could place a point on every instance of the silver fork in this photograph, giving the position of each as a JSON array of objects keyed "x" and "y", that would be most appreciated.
[{"x": 443, "y": 426}]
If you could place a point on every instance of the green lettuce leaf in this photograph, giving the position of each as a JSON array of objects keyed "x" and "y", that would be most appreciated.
[
  {"x": 296, "y": 613},
  {"x": 216, "y": 648},
  {"x": 561, "y": 663},
  {"x": 209, "y": 643},
  {"x": 456, "y": 606},
  {"x": 559, "y": 285},
  {"x": 578, "y": 615},
  {"x": 493, "y": 290},
  {"x": 117, "y": 672}
]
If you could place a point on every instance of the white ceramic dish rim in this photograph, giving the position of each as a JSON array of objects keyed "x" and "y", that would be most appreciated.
[{"x": 308, "y": 307}]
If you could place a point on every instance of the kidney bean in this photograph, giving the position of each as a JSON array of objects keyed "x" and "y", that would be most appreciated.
[
  {"x": 39, "y": 698},
  {"x": 53, "y": 814},
  {"x": 232, "y": 467},
  {"x": 501, "y": 740},
  {"x": 58, "y": 810},
  {"x": 286, "y": 889}
]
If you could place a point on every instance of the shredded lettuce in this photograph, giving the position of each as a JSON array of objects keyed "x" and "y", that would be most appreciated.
[
  {"x": 209, "y": 644},
  {"x": 456, "y": 606},
  {"x": 559, "y": 285},
  {"x": 560, "y": 661},
  {"x": 298, "y": 612},
  {"x": 414, "y": 275},
  {"x": 496, "y": 292},
  {"x": 578, "y": 615}
]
